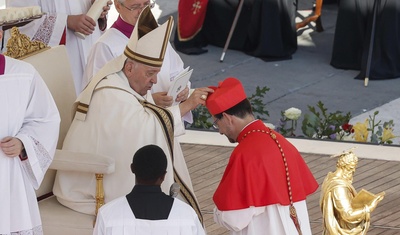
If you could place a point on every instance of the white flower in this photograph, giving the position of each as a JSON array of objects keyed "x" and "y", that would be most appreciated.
[
  {"x": 292, "y": 113},
  {"x": 269, "y": 125}
]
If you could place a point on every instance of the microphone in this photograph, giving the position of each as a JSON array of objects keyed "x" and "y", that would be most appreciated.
[{"x": 174, "y": 190}]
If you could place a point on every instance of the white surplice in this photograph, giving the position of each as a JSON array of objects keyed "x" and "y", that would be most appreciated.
[
  {"x": 116, "y": 125},
  {"x": 28, "y": 112},
  {"x": 50, "y": 28},
  {"x": 273, "y": 219},
  {"x": 112, "y": 44},
  {"x": 117, "y": 218}
]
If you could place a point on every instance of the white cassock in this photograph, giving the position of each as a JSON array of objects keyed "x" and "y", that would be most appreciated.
[
  {"x": 112, "y": 44},
  {"x": 49, "y": 29},
  {"x": 273, "y": 219},
  {"x": 117, "y": 218},
  {"x": 116, "y": 125},
  {"x": 28, "y": 112}
]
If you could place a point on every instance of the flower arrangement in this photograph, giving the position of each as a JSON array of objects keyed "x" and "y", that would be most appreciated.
[
  {"x": 290, "y": 115},
  {"x": 320, "y": 124},
  {"x": 317, "y": 124},
  {"x": 374, "y": 131}
]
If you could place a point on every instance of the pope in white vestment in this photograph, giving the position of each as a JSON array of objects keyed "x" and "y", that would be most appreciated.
[
  {"x": 28, "y": 113},
  {"x": 50, "y": 29},
  {"x": 115, "y": 120},
  {"x": 112, "y": 44}
]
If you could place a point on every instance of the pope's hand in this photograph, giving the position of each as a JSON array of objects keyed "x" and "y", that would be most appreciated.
[
  {"x": 162, "y": 99},
  {"x": 183, "y": 95}
]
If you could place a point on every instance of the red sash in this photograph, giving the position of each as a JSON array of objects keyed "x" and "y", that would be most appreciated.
[{"x": 191, "y": 14}]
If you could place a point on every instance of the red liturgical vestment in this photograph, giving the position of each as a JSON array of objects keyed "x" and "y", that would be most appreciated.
[{"x": 256, "y": 175}]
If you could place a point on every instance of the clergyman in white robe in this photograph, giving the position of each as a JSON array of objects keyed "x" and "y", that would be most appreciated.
[
  {"x": 50, "y": 28},
  {"x": 117, "y": 218},
  {"x": 28, "y": 112}
]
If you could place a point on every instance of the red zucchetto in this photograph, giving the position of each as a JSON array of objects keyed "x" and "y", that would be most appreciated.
[{"x": 229, "y": 93}]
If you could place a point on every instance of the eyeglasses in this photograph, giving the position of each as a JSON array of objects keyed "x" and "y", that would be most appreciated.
[
  {"x": 135, "y": 7},
  {"x": 215, "y": 125}
]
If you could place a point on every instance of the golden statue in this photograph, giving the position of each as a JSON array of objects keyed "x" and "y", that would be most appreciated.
[
  {"x": 344, "y": 210},
  {"x": 19, "y": 45}
]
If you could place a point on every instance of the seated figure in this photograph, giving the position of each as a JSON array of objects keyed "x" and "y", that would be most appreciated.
[
  {"x": 344, "y": 210},
  {"x": 115, "y": 115}
]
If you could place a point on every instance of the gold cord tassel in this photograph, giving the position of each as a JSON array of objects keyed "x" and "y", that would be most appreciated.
[{"x": 293, "y": 216}]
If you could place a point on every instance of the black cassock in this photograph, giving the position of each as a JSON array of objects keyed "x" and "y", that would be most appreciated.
[
  {"x": 353, "y": 33},
  {"x": 265, "y": 28}
]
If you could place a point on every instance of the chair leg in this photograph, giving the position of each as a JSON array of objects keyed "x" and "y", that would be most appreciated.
[
  {"x": 318, "y": 25},
  {"x": 316, "y": 17}
]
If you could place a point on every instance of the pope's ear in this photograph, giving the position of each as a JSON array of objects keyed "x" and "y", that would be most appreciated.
[{"x": 128, "y": 68}]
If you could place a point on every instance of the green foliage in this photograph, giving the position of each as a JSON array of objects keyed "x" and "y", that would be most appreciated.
[
  {"x": 256, "y": 101},
  {"x": 372, "y": 126},
  {"x": 320, "y": 124},
  {"x": 202, "y": 118},
  {"x": 377, "y": 130}
]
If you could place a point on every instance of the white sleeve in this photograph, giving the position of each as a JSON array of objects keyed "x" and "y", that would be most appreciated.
[
  {"x": 100, "y": 54},
  {"x": 39, "y": 133},
  {"x": 236, "y": 220}
]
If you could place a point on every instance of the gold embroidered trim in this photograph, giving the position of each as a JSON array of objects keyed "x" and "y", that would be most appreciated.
[
  {"x": 82, "y": 108},
  {"x": 166, "y": 120}
]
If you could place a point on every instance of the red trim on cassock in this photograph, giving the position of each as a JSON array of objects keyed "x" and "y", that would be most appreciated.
[
  {"x": 63, "y": 39},
  {"x": 2, "y": 64},
  {"x": 256, "y": 176}
]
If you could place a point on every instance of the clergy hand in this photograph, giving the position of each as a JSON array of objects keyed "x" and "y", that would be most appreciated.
[
  {"x": 183, "y": 95},
  {"x": 11, "y": 146},
  {"x": 162, "y": 99},
  {"x": 106, "y": 8},
  {"x": 81, "y": 23}
]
